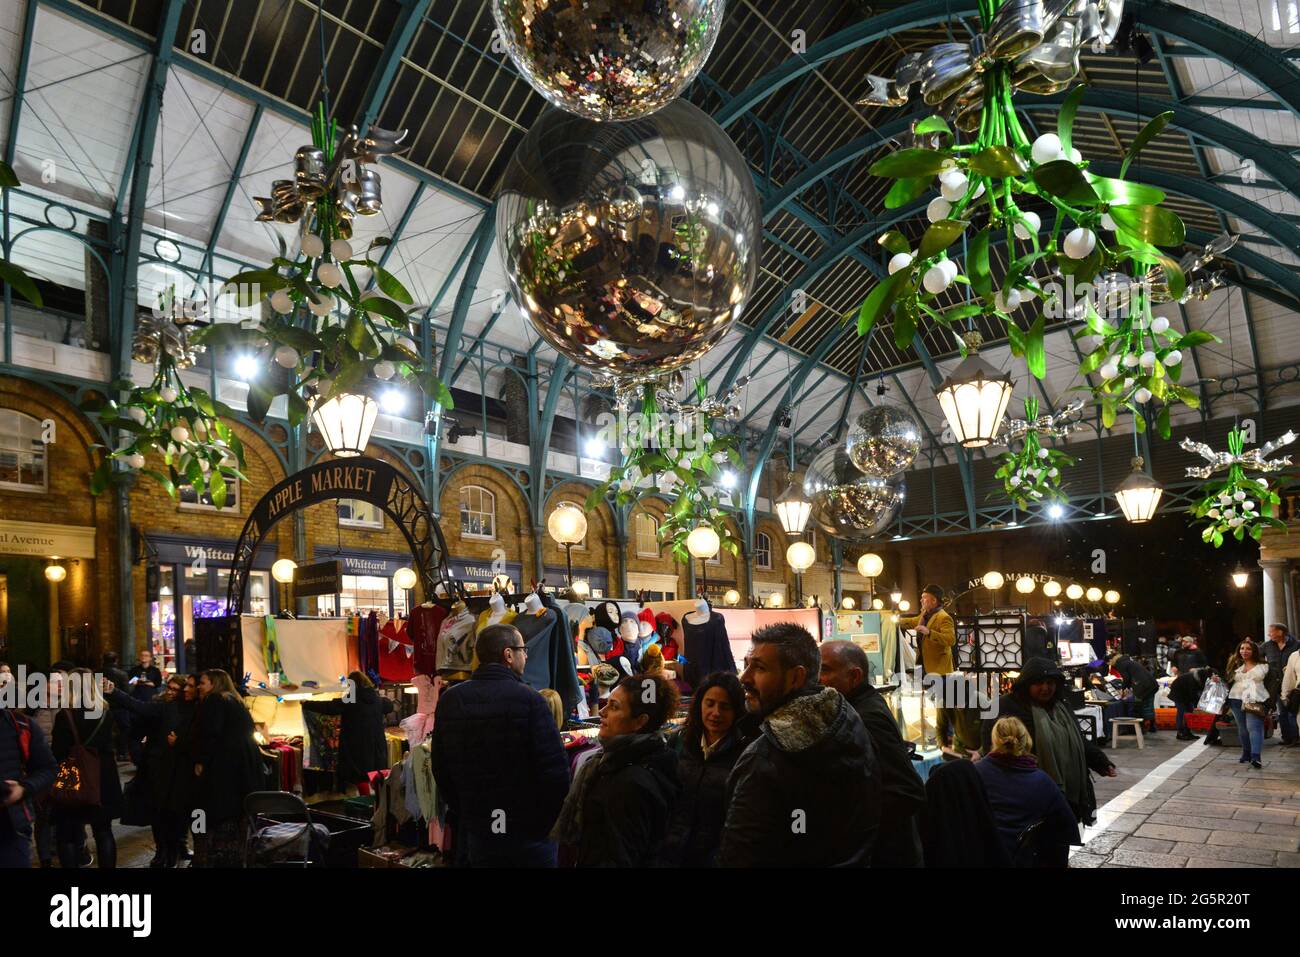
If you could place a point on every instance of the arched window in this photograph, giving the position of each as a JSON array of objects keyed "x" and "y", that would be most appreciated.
[
  {"x": 582, "y": 545},
  {"x": 478, "y": 513},
  {"x": 763, "y": 551},
  {"x": 22, "y": 453},
  {"x": 647, "y": 535}
]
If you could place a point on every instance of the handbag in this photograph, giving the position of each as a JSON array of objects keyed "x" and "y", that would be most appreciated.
[
  {"x": 76, "y": 783},
  {"x": 1258, "y": 708}
]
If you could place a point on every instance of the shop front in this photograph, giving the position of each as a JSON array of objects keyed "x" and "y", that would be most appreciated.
[
  {"x": 188, "y": 579},
  {"x": 597, "y": 579},
  {"x": 46, "y": 573},
  {"x": 478, "y": 574},
  {"x": 366, "y": 584}
]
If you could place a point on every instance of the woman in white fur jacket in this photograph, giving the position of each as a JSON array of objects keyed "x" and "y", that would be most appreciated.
[{"x": 1246, "y": 672}]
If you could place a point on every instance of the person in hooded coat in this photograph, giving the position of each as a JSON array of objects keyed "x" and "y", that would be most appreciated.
[
  {"x": 620, "y": 803},
  {"x": 362, "y": 747},
  {"x": 707, "y": 749},
  {"x": 1038, "y": 699},
  {"x": 807, "y": 791},
  {"x": 957, "y": 824}
]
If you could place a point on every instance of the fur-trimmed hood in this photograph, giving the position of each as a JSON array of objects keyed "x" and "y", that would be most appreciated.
[{"x": 808, "y": 719}]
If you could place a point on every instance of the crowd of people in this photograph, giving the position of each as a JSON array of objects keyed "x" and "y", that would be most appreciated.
[
  {"x": 798, "y": 760},
  {"x": 191, "y": 741}
]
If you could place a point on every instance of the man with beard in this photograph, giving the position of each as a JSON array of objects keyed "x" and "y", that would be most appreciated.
[{"x": 806, "y": 792}]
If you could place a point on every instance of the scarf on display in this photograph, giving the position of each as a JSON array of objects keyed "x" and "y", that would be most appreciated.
[
  {"x": 1060, "y": 751},
  {"x": 271, "y": 652}
]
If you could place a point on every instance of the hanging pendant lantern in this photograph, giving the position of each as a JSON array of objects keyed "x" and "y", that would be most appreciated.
[
  {"x": 975, "y": 397},
  {"x": 345, "y": 422},
  {"x": 1139, "y": 494},
  {"x": 793, "y": 509}
]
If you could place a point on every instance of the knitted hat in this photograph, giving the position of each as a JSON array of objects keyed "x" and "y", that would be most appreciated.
[
  {"x": 600, "y": 640},
  {"x": 647, "y": 618},
  {"x": 934, "y": 590},
  {"x": 653, "y": 660},
  {"x": 606, "y": 675},
  {"x": 665, "y": 624}
]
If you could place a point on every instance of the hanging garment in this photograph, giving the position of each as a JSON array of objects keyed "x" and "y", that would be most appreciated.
[
  {"x": 368, "y": 645},
  {"x": 706, "y": 649},
  {"x": 321, "y": 744},
  {"x": 396, "y": 651},
  {"x": 419, "y": 725},
  {"x": 456, "y": 643},
  {"x": 424, "y": 626},
  {"x": 271, "y": 651},
  {"x": 564, "y": 668}
]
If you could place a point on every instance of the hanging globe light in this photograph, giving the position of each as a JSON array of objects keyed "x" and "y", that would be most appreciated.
[
  {"x": 974, "y": 398},
  {"x": 1051, "y": 589},
  {"x": 870, "y": 565},
  {"x": 703, "y": 542},
  {"x": 567, "y": 525},
  {"x": 800, "y": 556},
  {"x": 345, "y": 422},
  {"x": 732, "y": 597},
  {"x": 775, "y": 600},
  {"x": 848, "y": 602},
  {"x": 1074, "y": 592},
  {"x": 1112, "y": 597},
  {"x": 1139, "y": 494},
  {"x": 282, "y": 571},
  {"x": 404, "y": 579},
  {"x": 993, "y": 581},
  {"x": 55, "y": 573},
  {"x": 1093, "y": 594},
  {"x": 1025, "y": 585},
  {"x": 877, "y": 604}
]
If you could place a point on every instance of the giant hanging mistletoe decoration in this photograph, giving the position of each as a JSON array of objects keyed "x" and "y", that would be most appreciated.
[
  {"x": 986, "y": 188},
  {"x": 677, "y": 441},
  {"x": 344, "y": 336},
  {"x": 1032, "y": 476},
  {"x": 1237, "y": 505}
]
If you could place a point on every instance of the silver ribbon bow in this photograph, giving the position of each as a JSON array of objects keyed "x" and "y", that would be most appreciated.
[
  {"x": 1042, "y": 38},
  {"x": 354, "y": 186},
  {"x": 1053, "y": 425},
  {"x": 1255, "y": 460}
]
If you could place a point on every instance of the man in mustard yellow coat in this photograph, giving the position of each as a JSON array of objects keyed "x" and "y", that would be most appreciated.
[
  {"x": 938, "y": 635},
  {"x": 937, "y": 631}
]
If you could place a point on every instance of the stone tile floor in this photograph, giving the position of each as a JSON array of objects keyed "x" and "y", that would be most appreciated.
[{"x": 1181, "y": 804}]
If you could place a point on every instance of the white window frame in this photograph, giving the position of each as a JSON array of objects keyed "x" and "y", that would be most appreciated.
[
  {"x": 490, "y": 497},
  {"x": 358, "y": 523},
  {"x": 760, "y": 551},
  {"x": 18, "y": 450},
  {"x": 654, "y": 522},
  {"x": 232, "y": 499}
]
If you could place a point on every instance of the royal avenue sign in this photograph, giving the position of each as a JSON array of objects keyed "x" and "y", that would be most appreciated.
[{"x": 47, "y": 541}]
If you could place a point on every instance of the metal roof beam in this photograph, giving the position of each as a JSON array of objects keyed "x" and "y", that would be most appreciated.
[
  {"x": 236, "y": 171},
  {"x": 20, "y": 80},
  {"x": 409, "y": 15}
]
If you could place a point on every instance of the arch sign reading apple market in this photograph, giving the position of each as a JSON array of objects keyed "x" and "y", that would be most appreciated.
[{"x": 369, "y": 480}]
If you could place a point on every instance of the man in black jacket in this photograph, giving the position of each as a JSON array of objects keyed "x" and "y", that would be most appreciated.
[
  {"x": 1133, "y": 675},
  {"x": 806, "y": 792},
  {"x": 498, "y": 759},
  {"x": 846, "y": 669},
  {"x": 27, "y": 771}
]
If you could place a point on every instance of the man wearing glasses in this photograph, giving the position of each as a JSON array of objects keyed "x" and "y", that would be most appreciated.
[{"x": 498, "y": 759}]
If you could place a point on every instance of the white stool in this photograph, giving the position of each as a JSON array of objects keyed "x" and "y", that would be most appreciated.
[{"x": 1134, "y": 723}]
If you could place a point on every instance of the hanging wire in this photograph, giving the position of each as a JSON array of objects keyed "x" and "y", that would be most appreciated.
[{"x": 324, "y": 72}]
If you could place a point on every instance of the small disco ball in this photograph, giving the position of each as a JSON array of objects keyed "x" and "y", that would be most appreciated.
[
  {"x": 883, "y": 441},
  {"x": 609, "y": 59},
  {"x": 630, "y": 247},
  {"x": 847, "y": 503}
]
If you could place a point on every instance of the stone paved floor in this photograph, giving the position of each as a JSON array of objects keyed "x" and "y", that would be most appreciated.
[{"x": 1181, "y": 804}]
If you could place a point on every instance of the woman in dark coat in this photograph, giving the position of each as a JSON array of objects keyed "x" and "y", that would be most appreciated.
[
  {"x": 1020, "y": 796},
  {"x": 1038, "y": 699},
  {"x": 362, "y": 747},
  {"x": 89, "y": 723},
  {"x": 166, "y": 771},
  {"x": 707, "y": 749},
  {"x": 620, "y": 803},
  {"x": 227, "y": 766}
]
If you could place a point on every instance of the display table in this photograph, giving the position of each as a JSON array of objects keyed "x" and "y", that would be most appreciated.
[{"x": 931, "y": 758}]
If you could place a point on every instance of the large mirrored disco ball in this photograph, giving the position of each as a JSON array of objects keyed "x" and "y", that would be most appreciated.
[
  {"x": 883, "y": 441},
  {"x": 847, "y": 503},
  {"x": 630, "y": 247},
  {"x": 609, "y": 59}
]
